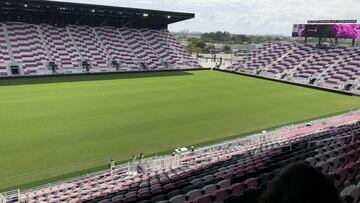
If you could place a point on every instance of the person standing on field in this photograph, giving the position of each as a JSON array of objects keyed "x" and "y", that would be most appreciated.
[{"x": 112, "y": 165}]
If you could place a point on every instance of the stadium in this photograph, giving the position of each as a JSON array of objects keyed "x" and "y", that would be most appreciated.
[{"x": 84, "y": 84}]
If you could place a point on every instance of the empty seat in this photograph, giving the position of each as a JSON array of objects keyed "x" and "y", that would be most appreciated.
[
  {"x": 158, "y": 198},
  {"x": 220, "y": 195},
  {"x": 237, "y": 189},
  {"x": 203, "y": 199},
  {"x": 224, "y": 183},
  {"x": 174, "y": 193},
  {"x": 105, "y": 201},
  {"x": 353, "y": 196},
  {"x": 250, "y": 183},
  {"x": 178, "y": 199},
  {"x": 196, "y": 181},
  {"x": 209, "y": 188},
  {"x": 194, "y": 194}
]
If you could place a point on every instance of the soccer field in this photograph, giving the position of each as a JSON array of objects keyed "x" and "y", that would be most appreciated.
[{"x": 52, "y": 128}]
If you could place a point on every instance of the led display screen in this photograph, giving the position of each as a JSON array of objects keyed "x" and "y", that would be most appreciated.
[{"x": 350, "y": 31}]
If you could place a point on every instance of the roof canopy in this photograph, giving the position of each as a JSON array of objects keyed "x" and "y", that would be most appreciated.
[{"x": 61, "y": 14}]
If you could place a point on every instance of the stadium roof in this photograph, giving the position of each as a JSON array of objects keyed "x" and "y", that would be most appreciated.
[{"x": 61, "y": 13}]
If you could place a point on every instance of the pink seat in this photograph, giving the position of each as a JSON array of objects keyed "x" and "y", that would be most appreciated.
[
  {"x": 237, "y": 189},
  {"x": 204, "y": 199},
  {"x": 339, "y": 177},
  {"x": 251, "y": 183},
  {"x": 220, "y": 195}
]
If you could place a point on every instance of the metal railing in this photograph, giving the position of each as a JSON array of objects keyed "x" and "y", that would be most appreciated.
[
  {"x": 166, "y": 162},
  {"x": 353, "y": 138},
  {"x": 2, "y": 199},
  {"x": 12, "y": 196}
]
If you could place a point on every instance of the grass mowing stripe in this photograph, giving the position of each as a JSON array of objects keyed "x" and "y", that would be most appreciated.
[
  {"x": 56, "y": 124},
  {"x": 104, "y": 167}
]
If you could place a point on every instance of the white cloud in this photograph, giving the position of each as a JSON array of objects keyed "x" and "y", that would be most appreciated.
[{"x": 245, "y": 16}]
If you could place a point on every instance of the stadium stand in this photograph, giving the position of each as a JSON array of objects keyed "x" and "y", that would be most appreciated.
[
  {"x": 132, "y": 49},
  {"x": 142, "y": 49},
  {"x": 46, "y": 46},
  {"x": 335, "y": 68},
  {"x": 4, "y": 54},
  {"x": 60, "y": 46},
  {"x": 26, "y": 46},
  {"x": 234, "y": 171},
  {"x": 88, "y": 45},
  {"x": 117, "y": 48},
  {"x": 244, "y": 177},
  {"x": 161, "y": 47},
  {"x": 187, "y": 59}
]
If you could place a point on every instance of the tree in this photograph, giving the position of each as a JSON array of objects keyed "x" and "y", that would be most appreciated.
[
  {"x": 227, "y": 49},
  {"x": 193, "y": 45},
  {"x": 196, "y": 45},
  {"x": 201, "y": 44}
]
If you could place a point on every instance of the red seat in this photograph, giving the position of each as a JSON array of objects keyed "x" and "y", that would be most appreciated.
[
  {"x": 204, "y": 199},
  {"x": 237, "y": 189},
  {"x": 220, "y": 195},
  {"x": 251, "y": 183},
  {"x": 339, "y": 177}
]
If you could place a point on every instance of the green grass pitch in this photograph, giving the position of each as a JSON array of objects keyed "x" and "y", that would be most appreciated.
[{"x": 53, "y": 128}]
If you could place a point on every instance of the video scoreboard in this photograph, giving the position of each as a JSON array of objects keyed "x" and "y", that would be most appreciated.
[{"x": 328, "y": 29}]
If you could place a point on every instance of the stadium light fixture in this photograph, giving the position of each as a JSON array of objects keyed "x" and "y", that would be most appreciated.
[
  {"x": 25, "y": 5},
  {"x": 168, "y": 17},
  {"x": 145, "y": 14}
]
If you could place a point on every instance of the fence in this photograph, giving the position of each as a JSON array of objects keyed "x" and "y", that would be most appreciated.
[
  {"x": 249, "y": 143},
  {"x": 353, "y": 138},
  {"x": 238, "y": 146},
  {"x": 12, "y": 196},
  {"x": 2, "y": 199}
]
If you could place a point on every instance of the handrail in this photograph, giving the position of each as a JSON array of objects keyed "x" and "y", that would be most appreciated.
[
  {"x": 334, "y": 138},
  {"x": 2, "y": 199},
  {"x": 240, "y": 145}
]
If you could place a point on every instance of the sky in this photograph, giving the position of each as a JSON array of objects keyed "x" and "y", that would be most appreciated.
[{"x": 245, "y": 16}]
